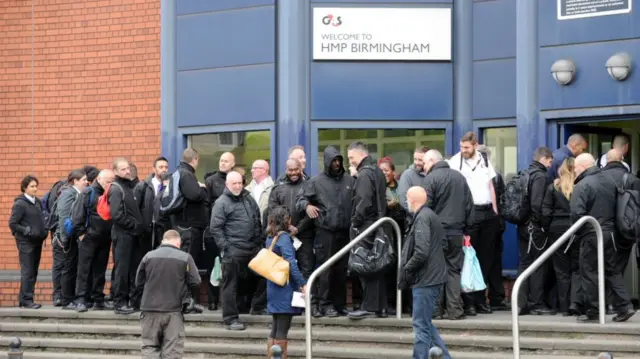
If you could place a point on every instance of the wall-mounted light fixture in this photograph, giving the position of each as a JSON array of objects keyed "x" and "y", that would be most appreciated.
[
  {"x": 563, "y": 71},
  {"x": 619, "y": 66}
]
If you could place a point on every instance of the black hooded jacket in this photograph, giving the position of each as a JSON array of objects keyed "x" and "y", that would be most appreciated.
[
  {"x": 537, "y": 188},
  {"x": 235, "y": 224},
  {"x": 369, "y": 200},
  {"x": 594, "y": 195},
  {"x": 449, "y": 196},
  {"x": 617, "y": 170},
  {"x": 555, "y": 210},
  {"x": 284, "y": 193},
  {"x": 331, "y": 192},
  {"x": 97, "y": 226},
  {"x": 216, "y": 184},
  {"x": 125, "y": 213},
  {"x": 146, "y": 197},
  {"x": 195, "y": 211},
  {"x": 27, "y": 221}
]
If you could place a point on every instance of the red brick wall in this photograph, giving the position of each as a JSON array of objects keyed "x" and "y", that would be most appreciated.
[{"x": 96, "y": 95}]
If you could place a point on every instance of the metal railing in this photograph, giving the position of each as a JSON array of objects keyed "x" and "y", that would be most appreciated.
[
  {"x": 543, "y": 257},
  {"x": 326, "y": 265}
]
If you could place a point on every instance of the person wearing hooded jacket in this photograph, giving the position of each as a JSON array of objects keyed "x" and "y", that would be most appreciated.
[
  {"x": 237, "y": 230},
  {"x": 412, "y": 176},
  {"x": 27, "y": 226},
  {"x": 284, "y": 194},
  {"x": 326, "y": 198}
]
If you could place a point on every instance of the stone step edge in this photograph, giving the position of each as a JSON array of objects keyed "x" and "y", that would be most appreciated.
[
  {"x": 620, "y": 346},
  {"x": 477, "y": 323},
  {"x": 454, "y": 354}
]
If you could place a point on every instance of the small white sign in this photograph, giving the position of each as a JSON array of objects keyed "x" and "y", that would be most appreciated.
[
  {"x": 580, "y": 9},
  {"x": 393, "y": 34}
]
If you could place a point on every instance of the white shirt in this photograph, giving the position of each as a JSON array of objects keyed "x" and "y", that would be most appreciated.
[
  {"x": 478, "y": 176},
  {"x": 155, "y": 182},
  {"x": 76, "y": 188},
  {"x": 257, "y": 190},
  {"x": 31, "y": 199},
  {"x": 603, "y": 162}
]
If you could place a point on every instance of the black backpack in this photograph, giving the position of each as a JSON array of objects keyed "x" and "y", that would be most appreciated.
[
  {"x": 171, "y": 199},
  {"x": 628, "y": 211},
  {"x": 514, "y": 201}
]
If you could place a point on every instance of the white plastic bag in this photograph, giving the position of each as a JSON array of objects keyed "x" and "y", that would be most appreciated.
[{"x": 471, "y": 279}]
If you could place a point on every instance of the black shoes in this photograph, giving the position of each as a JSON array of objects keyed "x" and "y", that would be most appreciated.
[
  {"x": 624, "y": 315},
  {"x": 30, "y": 306}
]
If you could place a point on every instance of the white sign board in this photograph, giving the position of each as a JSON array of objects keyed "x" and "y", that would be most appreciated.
[
  {"x": 398, "y": 34},
  {"x": 580, "y": 9}
]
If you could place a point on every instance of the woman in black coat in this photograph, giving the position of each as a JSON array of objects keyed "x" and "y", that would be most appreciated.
[{"x": 27, "y": 226}]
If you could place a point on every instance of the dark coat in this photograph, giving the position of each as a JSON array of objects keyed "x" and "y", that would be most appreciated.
[
  {"x": 279, "y": 298},
  {"x": 235, "y": 224},
  {"x": 195, "y": 212},
  {"x": 369, "y": 199},
  {"x": 595, "y": 195},
  {"x": 285, "y": 193},
  {"x": 125, "y": 214},
  {"x": 27, "y": 221}
]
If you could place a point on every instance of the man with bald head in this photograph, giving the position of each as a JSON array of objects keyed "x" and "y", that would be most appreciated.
[
  {"x": 449, "y": 196},
  {"x": 94, "y": 244},
  {"x": 424, "y": 271},
  {"x": 620, "y": 144},
  {"x": 595, "y": 195},
  {"x": 576, "y": 145},
  {"x": 216, "y": 181},
  {"x": 261, "y": 184},
  {"x": 284, "y": 193},
  {"x": 236, "y": 228},
  {"x": 617, "y": 258}
]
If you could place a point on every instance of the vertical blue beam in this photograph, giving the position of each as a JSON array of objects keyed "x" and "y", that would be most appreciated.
[
  {"x": 292, "y": 83},
  {"x": 527, "y": 116},
  {"x": 462, "y": 69},
  {"x": 168, "y": 86}
]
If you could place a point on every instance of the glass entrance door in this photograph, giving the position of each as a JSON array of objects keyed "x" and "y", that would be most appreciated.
[{"x": 600, "y": 139}]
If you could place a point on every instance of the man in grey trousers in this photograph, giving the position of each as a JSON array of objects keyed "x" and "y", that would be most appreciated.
[{"x": 167, "y": 275}]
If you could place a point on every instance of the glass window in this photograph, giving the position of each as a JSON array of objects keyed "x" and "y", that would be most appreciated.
[
  {"x": 503, "y": 144},
  {"x": 399, "y": 144},
  {"x": 246, "y": 146}
]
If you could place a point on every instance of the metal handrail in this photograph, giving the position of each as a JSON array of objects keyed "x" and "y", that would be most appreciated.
[
  {"x": 326, "y": 265},
  {"x": 543, "y": 257}
]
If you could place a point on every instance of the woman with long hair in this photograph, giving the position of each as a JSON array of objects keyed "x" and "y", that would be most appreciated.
[
  {"x": 555, "y": 211},
  {"x": 279, "y": 298},
  {"x": 28, "y": 227}
]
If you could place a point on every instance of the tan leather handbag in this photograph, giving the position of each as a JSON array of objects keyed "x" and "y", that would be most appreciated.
[{"x": 270, "y": 265}]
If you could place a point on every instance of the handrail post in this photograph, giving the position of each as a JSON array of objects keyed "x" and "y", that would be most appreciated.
[
  {"x": 543, "y": 257},
  {"x": 326, "y": 265}
]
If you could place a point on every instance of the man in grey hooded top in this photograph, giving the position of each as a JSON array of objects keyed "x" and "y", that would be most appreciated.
[{"x": 412, "y": 176}]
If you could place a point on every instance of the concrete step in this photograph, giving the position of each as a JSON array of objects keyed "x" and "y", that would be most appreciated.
[{"x": 78, "y": 349}]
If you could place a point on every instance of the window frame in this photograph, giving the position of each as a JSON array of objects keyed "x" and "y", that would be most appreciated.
[
  {"x": 447, "y": 126},
  {"x": 185, "y": 132}
]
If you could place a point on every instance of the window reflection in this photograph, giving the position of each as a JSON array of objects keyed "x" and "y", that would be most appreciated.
[{"x": 504, "y": 149}]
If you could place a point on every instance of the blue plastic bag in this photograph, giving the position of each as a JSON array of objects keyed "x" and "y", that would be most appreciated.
[{"x": 471, "y": 279}]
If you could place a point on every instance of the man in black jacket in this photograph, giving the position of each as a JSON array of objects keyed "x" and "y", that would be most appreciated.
[
  {"x": 369, "y": 205},
  {"x": 424, "y": 270},
  {"x": 326, "y": 198},
  {"x": 595, "y": 195},
  {"x": 449, "y": 196},
  {"x": 532, "y": 239},
  {"x": 235, "y": 225},
  {"x": 284, "y": 194},
  {"x": 94, "y": 245},
  {"x": 166, "y": 274},
  {"x": 617, "y": 257},
  {"x": 296, "y": 153},
  {"x": 127, "y": 227}
]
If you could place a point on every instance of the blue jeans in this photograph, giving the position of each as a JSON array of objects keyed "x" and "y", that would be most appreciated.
[{"x": 426, "y": 335}]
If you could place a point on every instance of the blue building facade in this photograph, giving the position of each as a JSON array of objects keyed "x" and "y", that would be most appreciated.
[{"x": 238, "y": 75}]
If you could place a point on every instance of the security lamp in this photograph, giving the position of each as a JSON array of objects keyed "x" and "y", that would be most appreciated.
[
  {"x": 619, "y": 66},
  {"x": 563, "y": 71}
]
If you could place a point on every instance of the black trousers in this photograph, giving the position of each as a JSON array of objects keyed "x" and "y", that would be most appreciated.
[
  {"x": 141, "y": 246},
  {"x": 532, "y": 242},
  {"x": 69, "y": 270},
  {"x": 280, "y": 326},
  {"x": 450, "y": 299},
  {"x": 193, "y": 243},
  {"x": 239, "y": 283},
  {"x": 332, "y": 284},
  {"x": 617, "y": 252},
  {"x": 56, "y": 270},
  {"x": 93, "y": 258},
  {"x": 483, "y": 239},
  {"x": 305, "y": 257},
  {"x": 122, "y": 279},
  {"x": 29, "y": 254},
  {"x": 566, "y": 266},
  {"x": 374, "y": 291}
]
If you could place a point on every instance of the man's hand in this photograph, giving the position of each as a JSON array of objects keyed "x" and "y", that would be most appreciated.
[
  {"x": 202, "y": 185},
  {"x": 81, "y": 238},
  {"x": 392, "y": 204},
  {"x": 303, "y": 290},
  {"x": 312, "y": 211},
  {"x": 353, "y": 171},
  {"x": 293, "y": 230}
]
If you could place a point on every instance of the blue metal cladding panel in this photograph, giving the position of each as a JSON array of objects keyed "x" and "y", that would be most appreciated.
[
  {"x": 600, "y": 28},
  {"x": 593, "y": 86},
  {"x": 226, "y": 38},
  {"x": 381, "y": 91},
  {"x": 226, "y": 95},
  {"x": 494, "y": 89},
  {"x": 494, "y": 29},
  {"x": 198, "y": 6},
  {"x": 390, "y": 2}
]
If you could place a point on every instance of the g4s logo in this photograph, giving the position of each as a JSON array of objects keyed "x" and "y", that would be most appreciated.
[{"x": 332, "y": 20}]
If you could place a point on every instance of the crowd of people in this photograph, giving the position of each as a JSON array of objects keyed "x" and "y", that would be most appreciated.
[{"x": 439, "y": 203}]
